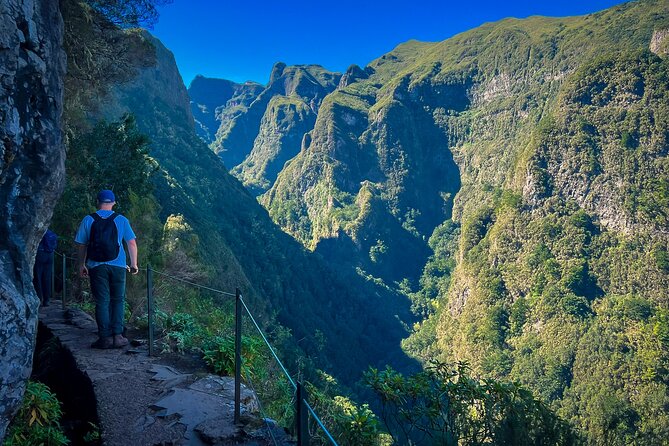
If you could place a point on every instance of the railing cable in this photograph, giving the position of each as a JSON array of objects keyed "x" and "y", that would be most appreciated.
[
  {"x": 213, "y": 290},
  {"x": 320, "y": 423},
  {"x": 268, "y": 344},
  {"x": 62, "y": 254},
  {"x": 262, "y": 411}
]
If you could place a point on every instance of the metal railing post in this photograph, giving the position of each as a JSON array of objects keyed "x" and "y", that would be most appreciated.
[
  {"x": 64, "y": 289},
  {"x": 149, "y": 303},
  {"x": 301, "y": 415},
  {"x": 238, "y": 353}
]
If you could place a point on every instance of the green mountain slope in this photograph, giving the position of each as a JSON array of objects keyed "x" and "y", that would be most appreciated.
[
  {"x": 517, "y": 176},
  {"x": 343, "y": 322},
  {"x": 259, "y": 132}
]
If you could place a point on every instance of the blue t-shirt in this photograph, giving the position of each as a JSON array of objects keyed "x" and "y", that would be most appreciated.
[{"x": 125, "y": 232}]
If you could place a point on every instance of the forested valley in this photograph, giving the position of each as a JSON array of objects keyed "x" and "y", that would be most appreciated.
[{"x": 464, "y": 242}]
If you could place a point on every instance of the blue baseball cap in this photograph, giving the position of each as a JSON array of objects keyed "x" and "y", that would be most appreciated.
[{"x": 106, "y": 196}]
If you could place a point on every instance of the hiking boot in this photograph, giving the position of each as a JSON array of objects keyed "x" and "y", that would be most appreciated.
[
  {"x": 103, "y": 343},
  {"x": 120, "y": 341}
]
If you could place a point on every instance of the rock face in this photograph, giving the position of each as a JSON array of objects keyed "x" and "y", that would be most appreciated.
[
  {"x": 285, "y": 122},
  {"x": 31, "y": 175},
  {"x": 258, "y": 135},
  {"x": 216, "y": 102},
  {"x": 353, "y": 73},
  {"x": 659, "y": 44}
]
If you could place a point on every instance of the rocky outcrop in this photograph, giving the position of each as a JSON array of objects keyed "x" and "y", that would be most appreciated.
[
  {"x": 659, "y": 44},
  {"x": 353, "y": 73},
  {"x": 256, "y": 138},
  {"x": 31, "y": 175},
  {"x": 277, "y": 72},
  {"x": 215, "y": 102},
  {"x": 282, "y": 128},
  {"x": 165, "y": 84}
]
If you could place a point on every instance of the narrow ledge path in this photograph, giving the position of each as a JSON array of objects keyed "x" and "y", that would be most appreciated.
[{"x": 143, "y": 400}]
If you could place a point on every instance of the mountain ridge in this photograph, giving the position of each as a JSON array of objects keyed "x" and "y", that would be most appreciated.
[
  {"x": 252, "y": 253},
  {"x": 513, "y": 180},
  {"x": 208, "y": 95}
]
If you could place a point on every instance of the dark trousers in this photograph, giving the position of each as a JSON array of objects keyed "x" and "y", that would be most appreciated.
[
  {"x": 42, "y": 276},
  {"x": 108, "y": 288}
]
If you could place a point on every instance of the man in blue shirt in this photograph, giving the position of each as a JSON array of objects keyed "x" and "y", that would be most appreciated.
[{"x": 107, "y": 277}]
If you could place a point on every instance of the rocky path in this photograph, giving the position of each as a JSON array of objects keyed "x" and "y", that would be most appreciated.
[{"x": 143, "y": 400}]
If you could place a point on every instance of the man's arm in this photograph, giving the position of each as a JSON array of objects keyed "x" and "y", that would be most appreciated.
[
  {"x": 81, "y": 256},
  {"x": 132, "y": 250}
]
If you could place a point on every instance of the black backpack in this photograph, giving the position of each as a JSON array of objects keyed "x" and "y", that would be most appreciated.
[
  {"x": 49, "y": 242},
  {"x": 103, "y": 243}
]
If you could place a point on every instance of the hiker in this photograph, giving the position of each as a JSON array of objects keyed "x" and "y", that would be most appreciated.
[
  {"x": 102, "y": 258},
  {"x": 43, "y": 269}
]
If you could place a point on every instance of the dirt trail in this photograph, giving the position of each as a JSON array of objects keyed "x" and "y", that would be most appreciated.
[{"x": 143, "y": 400}]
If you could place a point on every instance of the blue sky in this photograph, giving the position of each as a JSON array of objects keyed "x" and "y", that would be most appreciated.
[{"x": 241, "y": 41}]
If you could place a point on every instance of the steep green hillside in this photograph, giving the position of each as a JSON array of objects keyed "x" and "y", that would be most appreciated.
[
  {"x": 369, "y": 185},
  {"x": 286, "y": 120},
  {"x": 514, "y": 181},
  {"x": 258, "y": 133},
  {"x": 342, "y": 321}
]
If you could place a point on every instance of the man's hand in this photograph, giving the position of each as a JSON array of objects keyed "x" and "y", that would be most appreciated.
[
  {"x": 132, "y": 250},
  {"x": 81, "y": 256}
]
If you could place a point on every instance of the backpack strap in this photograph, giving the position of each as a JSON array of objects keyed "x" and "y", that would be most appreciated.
[{"x": 97, "y": 217}]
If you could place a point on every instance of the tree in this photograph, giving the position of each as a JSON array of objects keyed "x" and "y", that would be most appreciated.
[
  {"x": 129, "y": 13},
  {"x": 446, "y": 406},
  {"x": 102, "y": 51}
]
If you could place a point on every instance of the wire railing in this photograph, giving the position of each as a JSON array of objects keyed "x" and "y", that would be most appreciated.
[
  {"x": 178, "y": 279},
  {"x": 64, "y": 271},
  {"x": 260, "y": 406},
  {"x": 267, "y": 342},
  {"x": 301, "y": 394},
  {"x": 302, "y": 407}
]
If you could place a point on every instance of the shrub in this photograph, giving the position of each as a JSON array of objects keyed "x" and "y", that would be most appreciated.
[
  {"x": 37, "y": 422},
  {"x": 182, "y": 332},
  {"x": 220, "y": 354},
  {"x": 445, "y": 405},
  {"x": 629, "y": 141}
]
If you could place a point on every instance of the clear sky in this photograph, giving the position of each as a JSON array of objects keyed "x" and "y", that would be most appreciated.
[{"x": 241, "y": 40}]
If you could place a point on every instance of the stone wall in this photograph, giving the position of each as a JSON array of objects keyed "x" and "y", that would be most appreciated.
[{"x": 32, "y": 65}]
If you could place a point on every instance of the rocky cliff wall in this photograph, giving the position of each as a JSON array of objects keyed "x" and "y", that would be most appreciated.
[
  {"x": 31, "y": 175},
  {"x": 217, "y": 101},
  {"x": 257, "y": 137}
]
